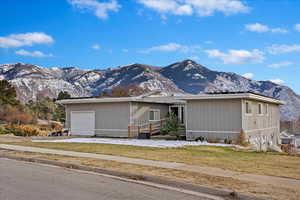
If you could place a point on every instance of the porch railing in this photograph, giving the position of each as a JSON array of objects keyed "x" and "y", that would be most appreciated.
[{"x": 152, "y": 127}]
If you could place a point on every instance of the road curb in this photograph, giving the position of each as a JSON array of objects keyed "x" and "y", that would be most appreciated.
[{"x": 227, "y": 194}]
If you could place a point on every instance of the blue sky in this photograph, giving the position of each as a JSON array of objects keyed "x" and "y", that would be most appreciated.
[{"x": 259, "y": 38}]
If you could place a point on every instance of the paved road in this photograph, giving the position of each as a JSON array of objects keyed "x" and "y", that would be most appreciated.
[{"x": 29, "y": 181}]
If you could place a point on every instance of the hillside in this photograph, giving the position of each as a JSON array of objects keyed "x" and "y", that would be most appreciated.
[{"x": 181, "y": 77}]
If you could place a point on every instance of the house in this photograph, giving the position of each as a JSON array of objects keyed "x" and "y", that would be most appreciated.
[
  {"x": 216, "y": 115},
  {"x": 223, "y": 116}
]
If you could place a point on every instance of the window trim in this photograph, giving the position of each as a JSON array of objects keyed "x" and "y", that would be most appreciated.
[
  {"x": 154, "y": 110},
  {"x": 262, "y": 109},
  {"x": 250, "y": 104},
  {"x": 268, "y": 111}
]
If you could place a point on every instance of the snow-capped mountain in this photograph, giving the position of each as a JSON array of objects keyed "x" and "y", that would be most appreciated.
[
  {"x": 194, "y": 78},
  {"x": 182, "y": 77}
]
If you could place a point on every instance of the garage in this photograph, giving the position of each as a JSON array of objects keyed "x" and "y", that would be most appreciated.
[{"x": 83, "y": 123}]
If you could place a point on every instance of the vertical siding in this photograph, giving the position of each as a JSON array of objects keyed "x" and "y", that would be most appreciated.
[
  {"x": 262, "y": 128},
  {"x": 256, "y": 121},
  {"x": 213, "y": 118},
  {"x": 108, "y": 116}
]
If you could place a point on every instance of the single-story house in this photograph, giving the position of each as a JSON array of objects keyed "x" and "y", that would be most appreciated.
[{"x": 216, "y": 115}]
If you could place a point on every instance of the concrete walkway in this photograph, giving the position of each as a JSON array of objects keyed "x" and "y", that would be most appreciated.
[{"x": 271, "y": 180}]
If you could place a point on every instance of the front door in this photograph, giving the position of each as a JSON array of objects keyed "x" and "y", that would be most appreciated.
[
  {"x": 179, "y": 112},
  {"x": 175, "y": 110}
]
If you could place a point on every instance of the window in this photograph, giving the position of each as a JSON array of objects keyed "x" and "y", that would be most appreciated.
[
  {"x": 260, "y": 109},
  {"x": 266, "y": 109},
  {"x": 154, "y": 115},
  {"x": 248, "y": 107}
]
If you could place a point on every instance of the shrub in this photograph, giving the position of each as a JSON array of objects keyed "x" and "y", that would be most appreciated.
[
  {"x": 3, "y": 130},
  {"x": 22, "y": 130},
  {"x": 16, "y": 115},
  {"x": 201, "y": 139},
  {"x": 227, "y": 141},
  {"x": 56, "y": 126},
  {"x": 289, "y": 148},
  {"x": 171, "y": 126},
  {"x": 241, "y": 140}
]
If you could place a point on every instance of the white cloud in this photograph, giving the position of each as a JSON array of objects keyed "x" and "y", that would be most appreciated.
[
  {"x": 23, "y": 52},
  {"x": 25, "y": 39},
  {"x": 277, "y": 81},
  {"x": 125, "y": 50},
  {"x": 260, "y": 28},
  {"x": 199, "y": 7},
  {"x": 281, "y": 64},
  {"x": 237, "y": 56},
  {"x": 96, "y": 46},
  {"x": 248, "y": 75},
  {"x": 279, "y": 30},
  {"x": 281, "y": 49},
  {"x": 167, "y": 6},
  {"x": 172, "y": 47},
  {"x": 297, "y": 27},
  {"x": 100, "y": 9}
]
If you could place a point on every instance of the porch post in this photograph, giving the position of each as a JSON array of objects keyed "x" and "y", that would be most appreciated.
[
  {"x": 150, "y": 128},
  {"x": 129, "y": 131},
  {"x": 139, "y": 130},
  {"x": 179, "y": 114}
]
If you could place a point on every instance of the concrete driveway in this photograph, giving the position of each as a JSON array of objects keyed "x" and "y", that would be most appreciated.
[{"x": 20, "y": 180}]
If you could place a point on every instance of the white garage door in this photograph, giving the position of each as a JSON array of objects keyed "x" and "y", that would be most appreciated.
[{"x": 83, "y": 123}]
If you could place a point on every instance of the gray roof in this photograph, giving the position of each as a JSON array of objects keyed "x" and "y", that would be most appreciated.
[
  {"x": 172, "y": 99},
  {"x": 232, "y": 96},
  {"x": 164, "y": 100}
]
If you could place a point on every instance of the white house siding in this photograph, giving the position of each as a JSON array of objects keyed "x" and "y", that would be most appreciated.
[
  {"x": 219, "y": 119},
  {"x": 111, "y": 119},
  {"x": 261, "y": 129}
]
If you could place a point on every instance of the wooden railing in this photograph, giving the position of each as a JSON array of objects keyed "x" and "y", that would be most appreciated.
[{"x": 152, "y": 127}]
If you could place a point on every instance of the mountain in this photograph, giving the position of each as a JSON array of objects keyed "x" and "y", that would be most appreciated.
[
  {"x": 194, "y": 78},
  {"x": 181, "y": 77}
]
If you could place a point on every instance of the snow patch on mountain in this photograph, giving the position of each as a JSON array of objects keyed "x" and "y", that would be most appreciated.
[{"x": 179, "y": 78}]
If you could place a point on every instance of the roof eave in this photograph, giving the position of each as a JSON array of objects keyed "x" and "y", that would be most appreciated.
[
  {"x": 233, "y": 96},
  {"x": 115, "y": 100}
]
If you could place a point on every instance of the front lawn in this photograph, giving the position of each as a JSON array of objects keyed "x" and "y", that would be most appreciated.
[{"x": 274, "y": 164}]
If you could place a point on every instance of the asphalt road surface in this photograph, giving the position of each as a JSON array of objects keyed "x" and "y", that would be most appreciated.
[{"x": 29, "y": 181}]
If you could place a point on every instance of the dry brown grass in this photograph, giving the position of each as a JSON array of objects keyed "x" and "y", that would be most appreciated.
[
  {"x": 179, "y": 175},
  {"x": 273, "y": 164}
]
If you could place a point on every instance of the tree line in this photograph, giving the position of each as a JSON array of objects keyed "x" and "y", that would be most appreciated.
[{"x": 15, "y": 112}]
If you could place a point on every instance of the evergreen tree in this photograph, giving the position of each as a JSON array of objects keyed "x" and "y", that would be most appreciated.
[
  {"x": 59, "y": 113},
  {"x": 63, "y": 95},
  {"x": 8, "y": 93}
]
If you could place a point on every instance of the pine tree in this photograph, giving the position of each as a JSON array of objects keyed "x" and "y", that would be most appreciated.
[{"x": 8, "y": 93}]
